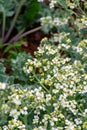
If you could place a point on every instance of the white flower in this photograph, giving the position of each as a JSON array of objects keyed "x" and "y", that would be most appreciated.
[
  {"x": 36, "y": 119},
  {"x": 40, "y": 0},
  {"x": 85, "y": 110},
  {"x": 78, "y": 121},
  {"x": 14, "y": 113},
  {"x": 22, "y": 127},
  {"x": 17, "y": 100},
  {"x": 84, "y": 90},
  {"x": 51, "y": 123},
  {"x": 48, "y": 97},
  {"x": 24, "y": 111},
  {"x": 2, "y": 85},
  {"x": 53, "y": 3},
  {"x": 5, "y": 128}
]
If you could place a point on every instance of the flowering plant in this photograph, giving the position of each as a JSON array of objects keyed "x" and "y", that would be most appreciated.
[
  {"x": 59, "y": 100},
  {"x": 58, "y": 72}
]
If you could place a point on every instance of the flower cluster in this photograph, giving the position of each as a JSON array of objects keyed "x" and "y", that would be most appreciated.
[
  {"x": 58, "y": 74},
  {"x": 59, "y": 100},
  {"x": 17, "y": 106},
  {"x": 64, "y": 78},
  {"x": 71, "y": 4},
  {"x": 63, "y": 14}
]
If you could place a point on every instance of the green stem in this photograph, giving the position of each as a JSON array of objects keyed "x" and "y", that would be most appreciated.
[
  {"x": 40, "y": 83},
  {"x": 25, "y": 122},
  {"x": 79, "y": 108},
  {"x": 14, "y": 20}
]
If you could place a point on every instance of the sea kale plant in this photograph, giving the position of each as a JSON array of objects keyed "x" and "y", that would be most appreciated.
[
  {"x": 57, "y": 73},
  {"x": 58, "y": 99}
]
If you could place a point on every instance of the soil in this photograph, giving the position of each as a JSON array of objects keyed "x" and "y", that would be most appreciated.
[
  {"x": 33, "y": 41},
  {"x": 29, "y": 46}
]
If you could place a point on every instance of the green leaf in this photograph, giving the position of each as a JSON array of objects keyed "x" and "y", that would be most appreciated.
[
  {"x": 17, "y": 65},
  {"x": 7, "y": 48},
  {"x": 30, "y": 14},
  {"x": 63, "y": 4},
  {"x": 7, "y": 7},
  {"x": 7, "y": 79}
]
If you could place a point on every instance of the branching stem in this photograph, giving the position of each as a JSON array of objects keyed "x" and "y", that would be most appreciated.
[
  {"x": 14, "y": 20},
  {"x": 18, "y": 37},
  {"x": 3, "y": 26}
]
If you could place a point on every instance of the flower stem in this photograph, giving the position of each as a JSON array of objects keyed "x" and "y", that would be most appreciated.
[{"x": 40, "y": 83}]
